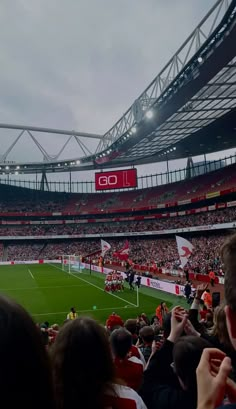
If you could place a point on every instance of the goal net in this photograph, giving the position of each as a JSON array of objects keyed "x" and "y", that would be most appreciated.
[{"x": 71, "y": 264}]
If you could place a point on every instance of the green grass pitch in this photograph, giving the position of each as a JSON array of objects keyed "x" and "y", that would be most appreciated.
[{"x": 48, "y": 293}]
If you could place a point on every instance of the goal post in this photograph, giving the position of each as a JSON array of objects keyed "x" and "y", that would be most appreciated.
[{"x": 71, "y": 263}]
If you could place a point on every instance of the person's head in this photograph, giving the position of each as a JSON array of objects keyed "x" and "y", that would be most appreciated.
[
  {"x": 220, "y": 327},
  {"x": 186, "y": 356},
  {"x": 209, "y": 317},
  {"x": 155, "y": 321},
  {"x": 73, "y": 310},
  {"x": 147, "y": 334},
  {"x": 25, "y": 372},
  {"x": 163, "y": 305},
  {"x": 131, "y": 326},
  {"x": 144, "y": 317},
  {"x": 228, "y": 255},
  {"x": 82, "y": 364},
  {"x": 121, "y": 342}
]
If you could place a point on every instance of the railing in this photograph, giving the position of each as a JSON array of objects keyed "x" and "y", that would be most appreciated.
[{"x": 144, "y": 182}]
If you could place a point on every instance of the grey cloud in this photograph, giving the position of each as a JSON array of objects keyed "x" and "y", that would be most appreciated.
[{"x": 79, "y": 64}]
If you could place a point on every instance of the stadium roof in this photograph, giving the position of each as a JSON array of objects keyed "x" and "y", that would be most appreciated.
[{"x": 188, "y": 109}]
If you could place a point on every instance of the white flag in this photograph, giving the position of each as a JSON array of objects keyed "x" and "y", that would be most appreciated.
[
  {"x": 185, "y": 249},
  {"x": 105, "y": 247}
]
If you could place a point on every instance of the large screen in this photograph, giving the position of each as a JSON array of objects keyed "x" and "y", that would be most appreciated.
[{"x": 117, "y": 179}]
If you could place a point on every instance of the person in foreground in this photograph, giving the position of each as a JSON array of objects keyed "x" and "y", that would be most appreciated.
[
  {"x": 25, "y": 373},
  {"x": 214, "y": 370},
  {"x": 170, "y": 378},
  {"x": 83, "y": 370}
]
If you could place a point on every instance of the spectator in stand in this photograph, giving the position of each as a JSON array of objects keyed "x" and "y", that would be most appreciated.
[
  {"x": 218, "y": 336},
  {"x": 207, "y": 299},
  {"x": 147, "y": 336},
  {"x": 187, "y": 291},
  {"x": 203, "y": 312},
  {"x": 25, "y": 372},
  {"x": 131, "y": 326},
  {"x": 170, "y": 378},
  {"x": 129, "y": 369},
  {"x": 76, "y": 227},
  {"x": 144, "y": 318},
  {"x": 209, "y": 321},
  {"x": 213, "y": 380},
  {"x": 212, "y": 278},
  {"x": 83, "y": 370},
  {"x": 114, "y": 321},
  {"x": 161, "y": 312}
]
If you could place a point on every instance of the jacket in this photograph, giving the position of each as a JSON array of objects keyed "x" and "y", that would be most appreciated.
[{"x": 161, "y": 389}]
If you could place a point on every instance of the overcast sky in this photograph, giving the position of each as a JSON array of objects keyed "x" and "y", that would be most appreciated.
[{"x": 79, "y": 64}]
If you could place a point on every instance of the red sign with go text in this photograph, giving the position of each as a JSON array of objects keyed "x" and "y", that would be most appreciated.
[{"x": 118, "y": 179}]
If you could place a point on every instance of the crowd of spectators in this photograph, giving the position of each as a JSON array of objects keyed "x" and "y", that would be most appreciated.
[
  {"x": 22, "y": 252},
  {"x": 201, "y": 219},
  {"x": 144, "y": 252},
  {"x": 14, "y": 199},
  {"x": 187, "y": 360},
  {"x": 28, "y": 206}
]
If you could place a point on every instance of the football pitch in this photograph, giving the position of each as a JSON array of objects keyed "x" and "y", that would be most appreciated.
[{"x": 48, "y": 293}]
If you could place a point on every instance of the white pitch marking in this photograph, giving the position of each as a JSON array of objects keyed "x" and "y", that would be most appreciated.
[
  {"x": 99, "y": 288},
  {"x": 79, "y": 311},
  {"x": 31, "y": 274},
  {"x": 39, "y": 288}
]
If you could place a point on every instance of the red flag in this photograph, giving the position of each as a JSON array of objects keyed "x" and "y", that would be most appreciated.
[{"x": 123, "y": 254}]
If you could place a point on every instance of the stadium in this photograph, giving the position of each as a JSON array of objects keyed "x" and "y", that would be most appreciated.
[{"x": 113, "y": 246}]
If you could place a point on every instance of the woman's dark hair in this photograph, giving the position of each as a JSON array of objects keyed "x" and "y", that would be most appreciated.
[
  {"x": 187, "y": 353},
  {"x": 25, "y": 373},
  {"x": 131, "y": 326},
  {"x": 82, "y": 365},
  {"x": 220, "y": 327}
]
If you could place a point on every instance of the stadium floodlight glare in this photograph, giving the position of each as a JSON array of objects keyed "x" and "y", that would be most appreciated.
[
  {"x": 7, "y": 167},
  {"x": 18, "y": 167},
  {"x": 78, "y": 162},
  {"x": 149, "y": 114},
  {"x": 200, "y": 59},
  {"x": 174, "y": 148},
  {"x": 134, "y": 129},
  {"x": 16, "y": 173},
  {"x": 58, "y": 164}
]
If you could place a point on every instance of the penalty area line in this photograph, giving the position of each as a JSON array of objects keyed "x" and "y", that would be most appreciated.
[{"x": 99, "y": 288}]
